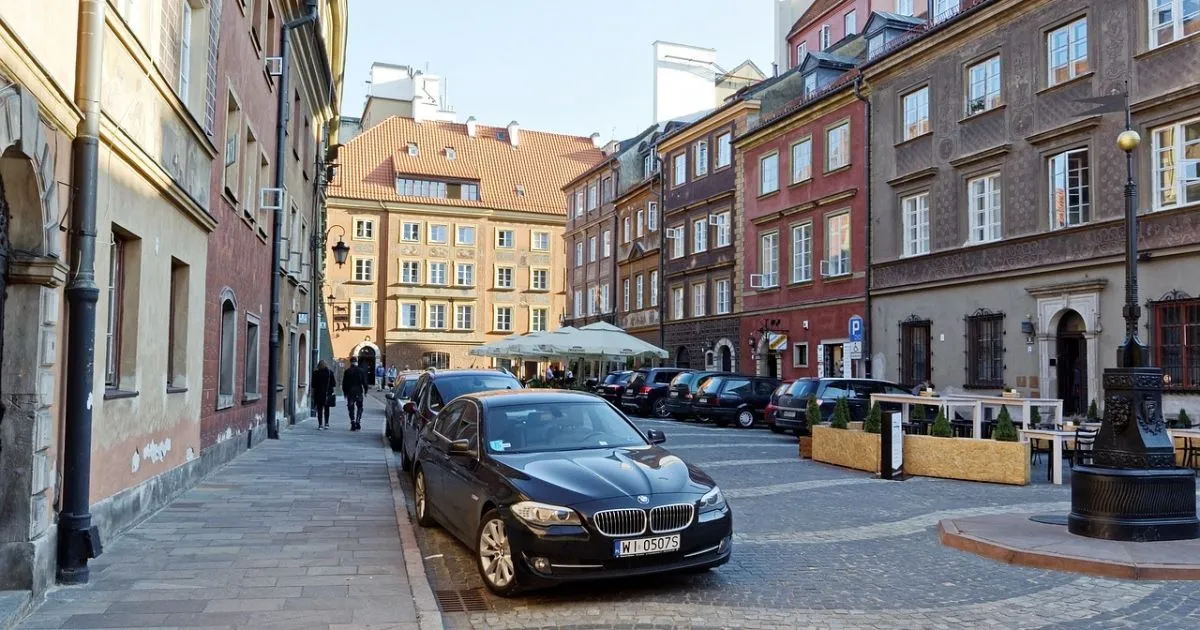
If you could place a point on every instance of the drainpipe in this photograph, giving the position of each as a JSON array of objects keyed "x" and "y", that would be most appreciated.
[
  {"x": 867, "y": 299},
  {"x": 317, "y": 267},
  {"x": 277, "y": 232},
  {"x": 615, "y": 168},
  {"x": 78, "y": 539},
  {"x": 662, "y": 257}
]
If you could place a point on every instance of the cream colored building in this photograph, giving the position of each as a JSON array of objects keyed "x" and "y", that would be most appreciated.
[{"x": 455, "y": 234}]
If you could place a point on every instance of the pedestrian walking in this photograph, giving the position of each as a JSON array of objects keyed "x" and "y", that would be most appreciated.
[
  {"x": 323, "y": 395},
  {"x": 354, "y": 387},
  {"x": 379, "y": 376}
]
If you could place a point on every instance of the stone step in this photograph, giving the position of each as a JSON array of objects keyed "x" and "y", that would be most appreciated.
[{"x": 14, "y": 605}]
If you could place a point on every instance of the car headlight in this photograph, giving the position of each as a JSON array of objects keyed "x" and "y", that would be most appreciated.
[
  {"x": 545, "y": 515},
  {"x": 712, "y": 500}
]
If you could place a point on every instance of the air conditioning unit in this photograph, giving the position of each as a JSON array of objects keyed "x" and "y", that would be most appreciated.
[
  {"x": 756, "y": 281},
  {"x": 674, "y": 232},
  {"x": 275, "y": 66},
  {"x": 271, "y": 198}
]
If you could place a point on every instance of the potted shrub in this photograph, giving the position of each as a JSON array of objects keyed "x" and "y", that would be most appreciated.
[
  {"x": 1093, "y": 414},
  {"x": 1183, "y": 421},
  {"x": 812, "y": 415},
  {"x": 1035, "y": 418},
  {"x": 1011, "y": 392},
  {"x": 941, "y": 426},
  {"x": 1005, "y": 430},
  {"x": 841, "y": 414},
  {"x": 874, "y": 421}
]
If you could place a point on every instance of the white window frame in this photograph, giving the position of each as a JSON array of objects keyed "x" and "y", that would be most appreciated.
[
  {"x": 838, "y": 261},
  {"x": 984, "y": 86},
  {"x": 579, "y": 254},
  {"x": 626, "y": 230},
  {"x": 639, "y": 292},
  {"x": 768, "y": 173},
  {"x": 1068, "y": 52},
  {"x": 985, "y": 208},
  {"x": 800, "y": 354},
  {"x": 768, "y": 259},
  {"x": 1168, "y": 165},
  {"x": 801, "y": 52},
  {"x": 593, "y": 196},
  {"x": 539, "y": 319},
  {"x": 356, "y": 321},
  {"x": 1061, "y": 173},
  {"x": 361, "y": 234},
  {"x": 904, "y": 7},
  {"x": 701, "y": 161},
  {"x": 823, "y": 37},
  {"x": 539, "y": 279},
  {"x": 915, "y": 211},
  {"x": 916, "y": 113},
  {"x": 724, "y": 237},
  {"x": 677, "y": 297},
  {"x": 1176, "y": 25},
  {"x": 431, "y": 321},
  {"x": 625, "y": 287},
  {"x": 593, "y": 249},
  {"x": 501, "y": 275},
  {"x": 579, "y": 203},
  {"x": 605, "y": 305},
  {"x": 535, "y": 237},
  {"x": 943, "y": 10},
  {"x": 464, "y": 274},
  {"x": 724, "y": 297},
  {"x": 367, "y": 267},
  {"x": 606, "y": 243},
  {"x": 724, "y": 150},
  {"x": 578, "y": 302},
  {"x": 415, "y": 266},
  {"x": 679, "y": 169},
  {"x": 802, "y": 160},
  {"x": 678, "y": 243},
  {"x": 652, "y": 216},
  {"x": 433, "y": 268},
  {"x": 508, "y": 319},
  {"x": 700, "y": 235},
  {"x": 837, "y": 147},
  {"x": 802, "y": 244},
  {"x": 850, "y": 23},
  {"x": 500, "y": 238},
  {"x": 461, "y": 232},
  {"x": 185, "y": 51},
  {"x": 409, "y": 308},
  {"x": 653, "y": 289},
  {"x": 464, "y": 317},
  {"x": 640, "y": 224},
  {"x": 433, "y": 240},
  {"x": 410, "y": 232},
  {"x": 699, "y": 299}
]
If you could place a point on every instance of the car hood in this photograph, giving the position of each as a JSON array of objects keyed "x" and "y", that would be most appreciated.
[{"x": 573, "y": 477}]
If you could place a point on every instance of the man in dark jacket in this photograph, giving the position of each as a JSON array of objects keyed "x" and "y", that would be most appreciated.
[
  {"x": 354, "y": 387},
  {"x": 323, "y": 383}
]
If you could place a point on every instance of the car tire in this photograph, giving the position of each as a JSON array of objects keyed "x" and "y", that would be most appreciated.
[
  {"x": 421, "y": 500},
  {"x": 721, "y": 422},
  {"x": 660, "y": 408},
  {"x": 745, "y": 418},
  {"x": 405, "y": 460},
  {"x": 777, "y": 429},
  {"x": 497, "y": 561},
  {"x": 395, "y": 443}
]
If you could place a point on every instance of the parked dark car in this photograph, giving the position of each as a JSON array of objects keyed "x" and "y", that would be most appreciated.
[
  {"x": 552, "y": 486},
  {"x": 613, "y": 386},
  {"x": 401, "y": 391},
  {"x": 734, "y": 398},
  {"x": 435, "y": 390},
  {"x": 682, "y": 392},
  {"x": 790, "y": 413},
  {"x": 646, "y": 392}
]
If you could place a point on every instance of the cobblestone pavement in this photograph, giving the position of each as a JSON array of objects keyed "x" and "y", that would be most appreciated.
[
  {"x": 821, "y": 547},
  {"x": 296, "y": 533}
]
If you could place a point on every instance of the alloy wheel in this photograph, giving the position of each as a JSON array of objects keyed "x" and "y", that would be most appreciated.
[
  {"x": 495, "y": 555},
  {"x": 660, "y": 408},
  {"x": 745, "y": 419},
  {"x": 421, "y": 500}
]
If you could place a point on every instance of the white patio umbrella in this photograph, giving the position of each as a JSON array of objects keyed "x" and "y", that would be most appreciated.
[{"x": 603, "y": 341}]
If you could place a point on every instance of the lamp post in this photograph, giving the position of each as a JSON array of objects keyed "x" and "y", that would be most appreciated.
[{"x": 1132, "y": 489}]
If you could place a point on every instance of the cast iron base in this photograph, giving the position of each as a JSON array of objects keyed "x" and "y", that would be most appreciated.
[{"x": 1140, "y": 505}]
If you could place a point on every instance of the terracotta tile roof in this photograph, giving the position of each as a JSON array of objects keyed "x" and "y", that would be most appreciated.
[{"x": 541, "y": 163}]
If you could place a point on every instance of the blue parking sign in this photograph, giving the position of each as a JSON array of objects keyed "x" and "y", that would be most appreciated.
[{"x": 856, "y": 328}]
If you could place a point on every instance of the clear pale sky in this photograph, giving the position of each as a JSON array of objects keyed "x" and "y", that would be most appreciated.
[{"x": 566, "y": 66}]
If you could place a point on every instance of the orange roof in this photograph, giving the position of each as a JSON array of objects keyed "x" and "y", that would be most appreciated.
[{"x": 541, "y": 163}]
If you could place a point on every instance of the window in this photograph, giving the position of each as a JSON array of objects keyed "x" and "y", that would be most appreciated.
[
  {"x": 677, "y": 241},
  {"x": 701, "y": 158},
  {"x": 360, "y": 314},
  {"x": 837, "y": 244},
  {"x": 916, "y": 224},
  {"x": 578, "y": 203},
  {"x": 983, "y": 86},
  {"x": 699, "y": 300},
  {"x": 699, "y": 235},
  {"x": 506, "y": 239},
  {"x": 464, "y": 274},
  {"x": 984, "y": 197},
  {"x": 604, "y": 303},
  {"x": 593, "y": 199},
  {"x": 914, "y": 353},
  {"x": 875, "y": 45},
  {"x": 437, "y": 273},
  {"x": 250, "y": 194},
  {"x": 593, "y": 250},
  {"x": 228, "y": 346},
  {"x": 1070, "y": 189},
  {"x": 464, "y": 317},
  {"x": 437, "y": 361},
  {"x": 724, "y": 298},
  {"x": 810, "y": 84},
  {"x": 410, "y": 271},
  {"x": 185, "y": 51},
  {"x": 410, "y": 232},
  {"x": 1176, "y": 341},
  {"x": 539, "y": 280},
  {"x": 116, "y": 304},
  {"x": 465, "y": 235},
  {"x": 802, "y": 160},
  {"x": 647, "y": 165},
  {"x": 944, "y": 9},
  {"x": 436, "y": 316},
  {"x": 850, "y": 21},
  {"x": 723, "y": 230},
  {"x": 985, "y": 350},
  {"x": 653, "y": 288},
  {"x": 177, "y": 325},
  {"x": 768, "y": 174},
  {"x": 1067, "y": 52},
  {"x": 539, "y": 320},
  {"x": 364, "y": 230},
  {"x": 606, "y": 189},
  {"x": 438, "y": 233},
  {"x": 606, "y": 243},
  {"x": 540, "y": 241},
  {"x": 800, "y": 354},
  {"x": 904, "y": 7},
  {"x": 724, "y": 149},
  {"x": 625, "y": 295},
  {"x": 802, "y": 252},
  {"x": 823, "y": 37},
  {"x": 680, "y": 169},
  {"x": 408, "y": 315},
  {"x": 1177, "y": 164},
  {"x": 837, "y": 147},
  {"x": 677, "y": 302},
  {"x": 638, "y": 292},
  {"x": 250, "y": 369},
  {"x": 364, "y": 269},
  {"x": 578, "y": 302},
  {"x": 916, "y": 113},
  {"x": 504, "y": 277},
  {"x": 652, "y": 216},
  {"x": 768, "y": 259},
  {"x": 504, "y": 321},
  {"x": 801, "y": 52},
  {"x": 233, "y": 143},
  {"x": 626, "y": 236},
  {"x": 641, "y": 223},
  {"x": 1172, "y": 19}
]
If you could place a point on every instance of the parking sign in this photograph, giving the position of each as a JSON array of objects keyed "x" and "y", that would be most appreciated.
[{"x": 856, "y": 328}]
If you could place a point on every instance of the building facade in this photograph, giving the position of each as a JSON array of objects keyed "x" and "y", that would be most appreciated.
[
  {"x": 639, "y": 274},
  {"x": 590, "y": 243},
  {"x": 997, "y": 202},
  {"x": 456, "y": 237},
  {"x": 826, "y": 23}
]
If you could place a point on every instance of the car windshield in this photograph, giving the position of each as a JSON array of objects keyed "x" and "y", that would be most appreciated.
[
  {"x": 537, "y": 428},
  {"x": 803, "y": 388},
  {"x": 684, "y": 378},
  {"x": 452, "y": 387}
]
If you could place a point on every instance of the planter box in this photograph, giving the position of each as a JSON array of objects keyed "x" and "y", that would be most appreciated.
[
  {"x": 967, "y": 459},
  {"x": 846, "y": 448},
  {"x": 805, "y": 447}
]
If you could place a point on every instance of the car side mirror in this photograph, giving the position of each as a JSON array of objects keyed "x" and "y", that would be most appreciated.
[
  {"x": 460, "y": 447},
  {"x": 655, "y": 436},
  {"x": 390, "y": 396},
  {"x": 410, "y": 407}
]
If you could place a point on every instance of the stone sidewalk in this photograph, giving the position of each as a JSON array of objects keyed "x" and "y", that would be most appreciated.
[{"x": 296, "y": 533}]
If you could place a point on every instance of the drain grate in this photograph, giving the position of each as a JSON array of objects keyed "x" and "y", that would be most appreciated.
[{"x": 463, "y": 600}]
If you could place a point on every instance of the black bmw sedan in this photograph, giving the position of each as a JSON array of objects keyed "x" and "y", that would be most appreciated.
[{"x": 553, "y": 486}]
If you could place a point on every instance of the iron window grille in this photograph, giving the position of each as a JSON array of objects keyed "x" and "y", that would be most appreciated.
[
  {"x": 1175, "y": 339},
  {"x": 916, "y": 352},
  {"x": 985, "y": 349}
]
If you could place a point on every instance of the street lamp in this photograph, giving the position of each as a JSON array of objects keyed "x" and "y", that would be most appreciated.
[
  {"x": 340, "y": 249},
  {"x": 1132, "y": 489}
]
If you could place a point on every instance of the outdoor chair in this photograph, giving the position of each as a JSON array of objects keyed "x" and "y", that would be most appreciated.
[
  {"x": 1038, "y": 447},
  {"x": 1191, "y": 453},
  {"x": 1085, "y": 441}
]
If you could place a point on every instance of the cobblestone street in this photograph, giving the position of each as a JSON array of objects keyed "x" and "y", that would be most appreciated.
[{"x": 818, "y": 546}]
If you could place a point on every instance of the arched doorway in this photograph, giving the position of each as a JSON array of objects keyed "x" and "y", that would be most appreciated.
[
  {"x": 366, "y": 362},
  {"x": 1071, "y": 363},
  {"x": 725, "y": 359},
  {"x": 681, "y": 358}
]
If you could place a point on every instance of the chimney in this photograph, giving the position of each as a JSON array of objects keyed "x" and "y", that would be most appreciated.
[
  {"x": 513, "y": 130},
  {"x": 471, "y": 126},
  {"x": 595, "y": 140}
]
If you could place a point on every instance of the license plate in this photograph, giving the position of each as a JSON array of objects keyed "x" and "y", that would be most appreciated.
[
  {"x": 784, "y": 414},
  {"x": 674, "y": 394},
  {"x": 702, "y": 400},
  {"x": 645, "y": 546}
]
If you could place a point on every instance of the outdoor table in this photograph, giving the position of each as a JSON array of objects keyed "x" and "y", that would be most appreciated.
[
  {"x": 1056, "y": 437},
  {"x": 1188, "y": 434}
]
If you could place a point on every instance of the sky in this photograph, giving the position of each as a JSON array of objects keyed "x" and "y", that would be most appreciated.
[{"x": 565, "y": 66}]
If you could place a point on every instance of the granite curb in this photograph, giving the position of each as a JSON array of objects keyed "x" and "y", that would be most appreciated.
[{"x": 429, "y": 616}]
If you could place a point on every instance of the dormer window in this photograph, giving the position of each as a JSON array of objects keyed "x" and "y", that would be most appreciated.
[
  {"x": 450, "y": 155},
  {"x": 875, "y": 45},
  {"x": 520, "y": 190},
  {"x": 810, "y": 84},
  {"x": 412, "y": 149}
]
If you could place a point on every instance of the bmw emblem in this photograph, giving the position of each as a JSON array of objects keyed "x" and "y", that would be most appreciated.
[{"x": 643, "y": 499}]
